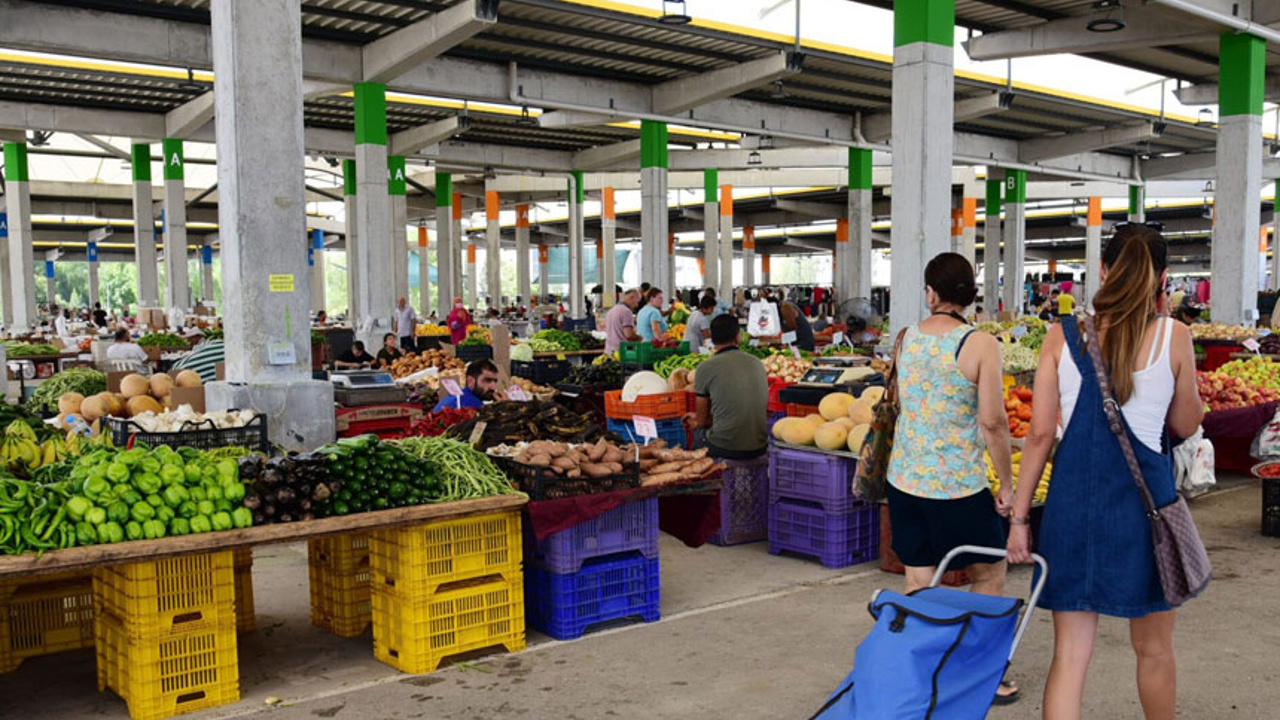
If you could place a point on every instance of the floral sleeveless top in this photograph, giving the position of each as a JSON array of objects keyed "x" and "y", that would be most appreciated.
[{"x": 937, "y": 449}]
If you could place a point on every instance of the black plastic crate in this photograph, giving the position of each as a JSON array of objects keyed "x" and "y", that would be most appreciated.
[
  {"x": 544, "y": 484},
  {"x": 1271, "y": 507},
  {"x": 203, "y": 435},
  {"x": 586, "y": 324},
  {"x": 542, "y": 372},
  {"x": 467, "y": 353}
]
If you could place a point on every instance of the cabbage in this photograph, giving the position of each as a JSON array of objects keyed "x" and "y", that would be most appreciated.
[
  {"x": 522, "y": 352},
  {"x": 643, "y": 383}
]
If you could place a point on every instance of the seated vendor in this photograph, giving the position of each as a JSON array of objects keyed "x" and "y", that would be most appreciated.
[
  {"x": 354, "y": 359},
  {"x": 390, "y": 351},
  {"x": 482, "y": 386},
  {"x": 732, "y": 397}
]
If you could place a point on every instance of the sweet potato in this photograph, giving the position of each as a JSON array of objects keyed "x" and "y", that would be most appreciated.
[
  {"x": 597, "y": 451},
  {"x": 557, "y": 450},
  {"x": 614, "y": 455},
  {"x": 541, "y": 460},
  {"x": 666, "y": 467},
  {"x": 575, "y": 472},
  {"x": 698, "y": 468},
  {"x": 564, "y": 463},
  {"x": 660, "y": 479},
  {"x": 648, "y": 464},
  {"x": 614, "y": 468},
  {"x": 595, "y": 471}
]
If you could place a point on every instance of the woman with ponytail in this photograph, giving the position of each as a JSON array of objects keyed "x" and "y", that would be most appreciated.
[{"x": 1096, "y": 535}]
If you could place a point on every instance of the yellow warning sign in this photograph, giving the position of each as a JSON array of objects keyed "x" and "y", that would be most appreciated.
[{"x": 280, "y": 283}]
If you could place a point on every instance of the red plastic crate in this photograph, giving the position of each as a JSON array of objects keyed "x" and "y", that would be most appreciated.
[
  {"x": 890, "y": 563},
  {"x": 798, "y": 410},
  {"x": 690, "y": 401},
  {"x": 664, "y": 406},
  {"x": 775, "y": 387}
]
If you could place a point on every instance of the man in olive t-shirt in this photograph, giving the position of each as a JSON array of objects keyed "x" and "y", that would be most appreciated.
[{"x": 732, "y": 390}]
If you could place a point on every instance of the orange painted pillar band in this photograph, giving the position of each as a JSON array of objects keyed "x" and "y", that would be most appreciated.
[
  {"x": 726, "y": 199},
  {"x": 749, "y": 238},
  {"x": 1094, "y": 217},
  {"x": 599, "y": 250},
  {"x": 957, "y": 223},
  {"x": 607, "y": 203},
  {"x": 522, "y": 216},
  {"x": 491, "y": 206},
  {"x": 842, "y": 230},
  {"x": 471, "y": 254},
  {"x": 970, "y": 209},
  {"x": 423, "y": 241},
  {"x": 543, "y": 254},
  {"x": 1053, "y": 268},
  {"x": 671, "y": 243},
  {"x": 457, "y": 206},
  {"x": 764, "y": 263},
  {"x": 702, "y": 266}
]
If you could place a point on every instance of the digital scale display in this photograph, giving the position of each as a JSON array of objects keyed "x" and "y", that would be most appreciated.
[{"x": 822, "y": 376}]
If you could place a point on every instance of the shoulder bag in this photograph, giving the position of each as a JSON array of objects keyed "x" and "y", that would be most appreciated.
[
  {"x": 872, "y": 477},
  {"x": 1181, "y": 559}
]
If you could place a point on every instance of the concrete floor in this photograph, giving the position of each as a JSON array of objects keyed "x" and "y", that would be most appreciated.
[{"x": 744, "y": 635}]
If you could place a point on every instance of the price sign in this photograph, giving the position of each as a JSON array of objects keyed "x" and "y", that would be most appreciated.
[
  {"x": 477, "y": 432},
  {"x": 1018, "y": 332},
  {"x": 754, "y": 343},
  {"x": 645, "y": 427},
  {"x": 788, "y": 338},
  {"x": 837, "y": 338},
  {"x": 795, "y": 351},
  {"x": 515, "y": 392},
  {"x": 451, "y": 386},
  {"x": 1251, "y": 345},
  {"x": 1264, "y": 332},
  {"x": 560, "y": 356}
]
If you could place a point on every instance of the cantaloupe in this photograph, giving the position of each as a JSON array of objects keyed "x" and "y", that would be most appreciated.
[
  {"x": 831, "y": 436},
  {"x": 815, "y": 420},
  {"x": 860, "y": 412},
  {"x": 798, "y": 433},
  {"x": 143, "y": 403},
  {"x": 188, "y": 378},
  {"x": 115, "y": 402},
  {"x": 69, "y": 403},
  {"x": 93, "y": 408},
  {"x": 857, "y": 436},
  {"x": 133, "y": 385},
  {"x": 872, "y": 394},
  {"x": 846, "y": 422},
  {"x": 161, "y": 384},
  {"x": 781, "y": 424},
  {"x": 835, "y": 405}
]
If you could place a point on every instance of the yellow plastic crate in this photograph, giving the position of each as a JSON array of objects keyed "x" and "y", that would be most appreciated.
[
  {"x": 414, "y": 561},
  {"x": 413, "y": 634},
  {"x": 45, "y": 615},
  {"x": 168, "y": 595},
  {"x": 343, "y": 554},
  {"x": 246, "y": 620},
  {"x": 340, "y": 603},
  {"x": 165, "y": 675}
]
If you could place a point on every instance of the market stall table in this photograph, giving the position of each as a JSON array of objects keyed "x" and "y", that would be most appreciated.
[
  {"x": 1232, "y": 432},
  {"x": 688, "y": 510}
]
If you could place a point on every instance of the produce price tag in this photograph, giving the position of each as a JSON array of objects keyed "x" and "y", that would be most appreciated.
[
  {"x": 477, "y": 432},
  {"x": 837, "y": 338},
  {"x": 795, "y": 351},
  {"x": 645, "y": 427},
  {"x": 560, "y": 356},
  {"x": 1251, "y": 345},
  {"x": 1018, "y": 332},
  {"x": 788, "y": 338},
  {"x": 754, "y": 343},
  {"x": 1264, "y": 332},
  {"x": 515, "y": 392},
  {"x": 450, "y": 386}
]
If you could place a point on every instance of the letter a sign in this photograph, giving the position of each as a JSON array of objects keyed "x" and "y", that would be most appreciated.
[{"x": 4, "y": 225}]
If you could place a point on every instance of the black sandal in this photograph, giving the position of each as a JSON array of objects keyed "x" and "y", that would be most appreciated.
[{"x": 1009, "y": 699}]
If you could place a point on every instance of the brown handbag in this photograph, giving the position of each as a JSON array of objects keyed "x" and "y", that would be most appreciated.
[
  {"x": 871, "y": 480},
  {"x": 1181, "y": 559}
]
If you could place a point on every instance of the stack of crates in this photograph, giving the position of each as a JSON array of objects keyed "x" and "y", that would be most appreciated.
[
  {"x": 446, "y": 587},
  {"x": 165, "y": 633},
  {"x": 338, "y": 567},
  {"x": 744, "y": 502},
  {"x": 601, "y": 570},
  {"x": 44, "y": 614},
  {"x": 812, "y": 509},
  {"x": 666, "y": 409},
  {"x": 246, "y": 619}
]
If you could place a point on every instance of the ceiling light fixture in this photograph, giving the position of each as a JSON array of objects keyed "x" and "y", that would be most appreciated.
[
  {"x": 525, "y": 118},
  {"x": 1204, "y": 117},
  {"x": 190, "y": 83},
  {"x": 674, "y": 13},
  {"x": 1107, "y": 16},
  {"x": 779, "y": 92},
  {"x": 754, "y": 158}
]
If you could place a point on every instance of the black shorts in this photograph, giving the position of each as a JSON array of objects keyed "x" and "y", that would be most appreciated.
[{"x": 925, "y": 530}]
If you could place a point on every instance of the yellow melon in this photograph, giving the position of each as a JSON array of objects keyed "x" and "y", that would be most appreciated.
[
  {"x": 781, "y": 425},
  {"x": 143, "y": 403},
  {"x": 835, "y": 405},
  {"x": 188, "y": 378},
  {"x": 831, "y": 436},
  {"x": 857, "y": 436},
  {"x": 872, "y": 394},
  {"x": 846, "y": 422},
  {"x": 798, "y": 433},
  {"x": 134, "y": 385},
  {"x": 115, "y": 403},
  {"x": 161, "y": 384},
  {"x": 93, "y": 408},
  {"x": 69, "y": 403},
  {"x": 861, "y": 412},
  {"x": 815, "y": 419}
]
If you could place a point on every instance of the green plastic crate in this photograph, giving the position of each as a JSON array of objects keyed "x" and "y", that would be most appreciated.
[{"x": 643, "y": 353}]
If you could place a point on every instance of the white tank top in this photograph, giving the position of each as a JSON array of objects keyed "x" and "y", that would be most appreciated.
[{"x": 1153, "y": 388}]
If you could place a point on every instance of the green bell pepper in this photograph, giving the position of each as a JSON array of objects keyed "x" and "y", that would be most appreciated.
[
  {"x": 95, "y": 516},
  {"x": 150, "y": 464},
  {"x": 147, "y": 483},
  {"x": 228, "y": 470},
  {"x": 223, "y": 505},
  {"x": 130, "y": 496},
  {"x": 110, "y": 532},
  {"x": 153, "y": 529},
  {"x": 192, "y": 473},
  {"x": 77, "y": 507},
  {"x": 201, "y": 524},
  {"x": 118, "y": 471},
  {"x": 130, "y": 458},
  {"x": 164, "y": 514},
  {"x": 175, "y": 495},
  {"x": 133, "y": 530},
  {"x": 118, "y": 512},
  {"x": 188, "y": 510},
  {"x": 155, "y": 501},
  {"x": 221, "y": 521},
  {"x": 142, "y": 512},
  {"x": 198, "y": 494},
  {"x": 233, "y": 491},
  {"x": 172, "y": 474},
  {"x": 241, "y": 517},
  {"x": 214, "y": 492},
  {"x": 179, "y": 526},
  {"x": 86, "y": 534},
  {"x": 94, "y": 488},
  {"x": 206, "y": 507}
]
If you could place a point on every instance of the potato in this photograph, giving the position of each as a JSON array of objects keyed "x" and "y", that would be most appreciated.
[
  {"x": 614, "y": 468},
  {"x": 564, "y": 463},
  {"x": 541, "y": 460},
  {"x": 595, "y": 471}
]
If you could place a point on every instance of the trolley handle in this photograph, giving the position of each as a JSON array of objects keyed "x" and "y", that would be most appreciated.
[{"x": 1036, "y": 588}]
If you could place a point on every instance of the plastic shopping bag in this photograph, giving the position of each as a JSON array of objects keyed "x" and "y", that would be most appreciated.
[
  {"x": 1193, "y": 465},
  {"x": 763, "y": 320}
]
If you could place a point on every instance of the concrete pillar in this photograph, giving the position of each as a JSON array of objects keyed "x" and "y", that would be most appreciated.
[
  {"x": 21, "y": 293},
  {"x": 608, "y": 251},
  {"x": 857, "y": 270},
  {"x": 923, "y": 96},
  {"x": 749, "y": 256},
  {"x": 1092, "y": 251},
  {"x": 177, "y": 285},
  {"x": 446, "y": 242},
  {"x": 460, "y": 244},
  {"x": 91, "y": 255},
  {"x": 957, "y": 230},
  {"x": 424, "y": 273},
  {"x": 991, "y": 245},
  {"x": 206, "y": 272},
  {"x": 764, "y": 270},
  {"x": 373, "y": 216},
  {"x": 1275, "y": 241},
  {"x": 670, "y": 281},
  {"x": 577, "y": 228},
  {"x": 969, "y": 237},
  {"x": 711, "y": 229},
  {"x": 144, "y": 230},
  {"x": 257, "y": 55},
  {"x": 396, "y": 188},
  {"x": 1015, "y": 246},
  {"x": 524, "y": 285},
  {"x": 472, "y": 279},
  {"x": 5, "y": 295},
  {"x": 1241, "y": 76},
  {"x": 654, "y": 260},
  {"x": 724, "y": 289},
  {"x": 841, "y": 263},
  {"x": 1137, "y": 203},
  {"x": 492, "y": 249},
  {"x": 315, "y": 257},
  {"x": 544, "y": 282},
  {"x": 349, "y": 191},
  {"x": 50, "y": 282}
]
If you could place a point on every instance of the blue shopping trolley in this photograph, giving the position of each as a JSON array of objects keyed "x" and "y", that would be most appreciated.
[{"x": 936, "y": 654}]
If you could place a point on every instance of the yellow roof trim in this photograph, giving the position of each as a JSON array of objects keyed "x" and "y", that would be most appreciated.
[{"x": 69, "y": 62}]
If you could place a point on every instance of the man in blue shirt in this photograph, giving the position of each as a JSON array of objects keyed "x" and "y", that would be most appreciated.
[{"x": 482, "y": 382}]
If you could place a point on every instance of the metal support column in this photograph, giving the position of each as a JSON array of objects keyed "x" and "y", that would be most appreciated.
[
  {"x": 1015, "y": 246},
  {"x": 608, "y": 253},
  {"x": 493, "y": 248},
  {"x": 461, "y": 243},
  {"x": 206, "y": 272},
  {"x": 577, "y": 196},
  {"x": 711, "y": 229},
  {"x": 749, "y": 256},
  {"x": 21, "y": 291},
  {"x": 397, "y": 188},
  {"x": 373, "y": 216},
  {"x": 91, "y": 256},
  {"x": 446, "y": 242},
  {"x": 524, "y": 286},
  {"x": 1092, "y": 251},
  {"x": 991, "y": 234},
  {"x": 969, "y": 238},
  {"x": 544, "y": 279},
  {"x": 1137, "y": 203},
  {"x": 857, "y": 271},
  {"x": 51, "y": 283},
  {"x": 177, "y": 284},
  {"x": 349, "y": 191},
  {"x": 654, "y": 261},
  {"x": 316, "y": 256},
  {"x": 424, "y": 273},
  {"x": 724, "y": 291},
  {"x": 144, "y": 230},
  {"x": 764, "y": 270}
]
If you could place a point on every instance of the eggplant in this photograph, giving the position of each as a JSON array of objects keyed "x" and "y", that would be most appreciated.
[
  {"x": 259, "y": 519},
  {"x": 286, "y": 496},
  {"x": 253, "y": 502},
  {"x": 268, "y": 509},
  {"x": 285, "y": 518}
]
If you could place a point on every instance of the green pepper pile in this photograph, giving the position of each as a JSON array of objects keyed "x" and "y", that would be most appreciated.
[
  {"x": 566, "y": 341},
  {"x": 33, "y": 516},
  {"x": 372, "y": 475},
  {"x": 165, "y": 340},
  {"x": 668, "y": 365}
]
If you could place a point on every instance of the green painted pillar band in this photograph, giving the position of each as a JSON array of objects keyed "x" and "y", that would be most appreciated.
[
  {"x": 859, "y": 169},
  {"x": 173, "y": 160},
  {"x": 444, "y": 190},
  {"x": 1015, "y": 186},
  {"x": 141, "y": 162},
  {"x": 579, "y": 187},
  {"x": 653, "y": 144},
  {"x": 711, "y": 185},
  {"x": 1137, "y": 198},
  {"x": 396, "y": 181},
  {"x": 348, "y": 177},
  {"x": 994, "y": 202},
  {"x": 371, "y": 114},
  {"x": 931, "y": 21},
  {"x": 1241, "y": 74},
  {"x": 15, "y": 162}
]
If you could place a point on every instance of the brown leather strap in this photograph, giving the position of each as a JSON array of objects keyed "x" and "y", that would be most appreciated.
[
  {"x": 891, "y": 379},
  {"x": 1112, "y": 410}
]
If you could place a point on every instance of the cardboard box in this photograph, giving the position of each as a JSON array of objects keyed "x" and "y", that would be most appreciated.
[
  {"x": 1006, "y": 316},
  {"x": 193, "y": 396},
  {"x": 113, "y": 380}
]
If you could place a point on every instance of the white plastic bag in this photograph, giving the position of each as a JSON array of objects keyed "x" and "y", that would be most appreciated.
[
  {"x": 763, "y": 320},
  {"x": 1193, "y": 465}
]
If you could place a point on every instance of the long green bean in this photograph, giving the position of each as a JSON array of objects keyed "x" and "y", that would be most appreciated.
[{"x": 463, "y": 472}]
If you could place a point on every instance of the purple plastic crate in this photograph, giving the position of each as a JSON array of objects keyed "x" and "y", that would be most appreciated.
[
  {"x": 611, "y": 588},
  {"x": 628, "y": 527},
  {"x": 744, "y": 502},
  {"x": 814, "y": 476},
  {"x": 836, "y": 539}
]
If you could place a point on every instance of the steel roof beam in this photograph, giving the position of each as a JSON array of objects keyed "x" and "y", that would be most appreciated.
[
  {"x": 103, "y": 144},
  {"x": 1207, "y": 93},
  {"x": 390, "y": 56},
  {"x": 187, "y": 118},
  {"x": 408, "y": 142},
  {"x": 686, "y": 93},
  {"x": 879, "y": 127},
  {"x": 1146, "y": 26},
  {"x": 1088, "y": 141},
  {"x": 606, "y": 155}
]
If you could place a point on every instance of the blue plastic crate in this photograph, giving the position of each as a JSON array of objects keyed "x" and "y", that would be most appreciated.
[
  {"x": 836, "y": 539},
  {"x": 631, "y": 527},
  {"x": 814, "y": 476},
  {"x": 744, "y": 502},
  {"x": 670, "y": 430},
  {"x": 609, "y": 588}
]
